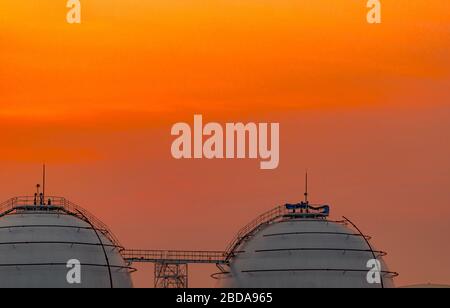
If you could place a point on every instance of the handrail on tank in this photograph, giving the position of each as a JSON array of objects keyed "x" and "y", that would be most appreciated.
[
  {"x": 53, "y": 202},
  {"x": 264, "y": 218},
  {"x": 271, "y": 216}
]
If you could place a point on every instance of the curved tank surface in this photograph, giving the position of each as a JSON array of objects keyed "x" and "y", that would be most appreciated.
[
  {"x": 38, "y": 241},
  {"x": 298, "y": 246}
]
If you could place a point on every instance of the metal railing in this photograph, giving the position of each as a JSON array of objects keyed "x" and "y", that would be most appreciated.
[
  {"x": 268, "y": 217},
  {"x": 255, "y": 224},
  {"x": 173, "y": 256},
  {"x": 57, "y": 203}
]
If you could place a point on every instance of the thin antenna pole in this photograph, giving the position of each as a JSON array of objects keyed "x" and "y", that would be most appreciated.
[
  {"x": 43, "y": 183},
  {"x": 306, "y": 186}
]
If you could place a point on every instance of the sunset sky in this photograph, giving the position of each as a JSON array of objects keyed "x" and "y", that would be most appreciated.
[{"x": 365, "y": 108}]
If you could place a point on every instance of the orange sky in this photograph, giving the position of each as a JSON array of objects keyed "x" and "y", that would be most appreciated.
[{"x": 365, "y": 108}]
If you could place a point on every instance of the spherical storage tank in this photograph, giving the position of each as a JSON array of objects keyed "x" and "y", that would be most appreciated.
[
  {"x": 39, "y": 243},
  {"x": 296, "y": 245}
]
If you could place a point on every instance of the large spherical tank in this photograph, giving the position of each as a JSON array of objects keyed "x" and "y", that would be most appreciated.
[
  {"x": 305, "y": 252},
  {"x": 36, "y": 246}
]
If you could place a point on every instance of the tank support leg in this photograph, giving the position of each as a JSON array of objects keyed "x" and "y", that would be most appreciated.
[{"x": 171, "y": 275}]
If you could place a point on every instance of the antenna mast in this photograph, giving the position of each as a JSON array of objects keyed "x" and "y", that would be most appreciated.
[
  {"x": 306, "y": 187},
  {"x": 43, "y": 182}
]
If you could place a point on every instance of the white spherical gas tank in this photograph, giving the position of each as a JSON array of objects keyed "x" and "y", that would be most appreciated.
[
  {"x": 303, "y": 251},
  {"x": 41, "y": 247}
]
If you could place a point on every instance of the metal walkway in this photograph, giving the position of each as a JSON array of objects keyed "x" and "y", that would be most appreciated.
[
  {"x": 174, "y": 256},
  {"x": 171, "y": 266}
]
